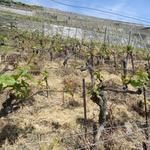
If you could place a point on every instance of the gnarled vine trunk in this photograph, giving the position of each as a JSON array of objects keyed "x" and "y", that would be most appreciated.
[{"x": 101, "y": 100}]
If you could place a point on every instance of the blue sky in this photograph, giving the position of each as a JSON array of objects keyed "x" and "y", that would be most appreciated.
[{"x": 136, "y": 8}]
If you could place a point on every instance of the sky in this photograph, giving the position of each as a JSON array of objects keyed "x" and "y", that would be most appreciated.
[{"x": 131, "y": 8}]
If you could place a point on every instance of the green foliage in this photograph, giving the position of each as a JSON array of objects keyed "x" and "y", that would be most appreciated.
[
  {"x": 45, "y": 74},
  {"x": 98, "y": 76},
  {"x": 129, "y": 48},
  {"x": 104, "y": 47},
  {"x": 7, "y": 2},
  {"x": 17, "y": 83},
  {"x": 3, "y": 38},
  {"x": 94, "y": 92},
  {"x": 20, "y": 82},
  {"x": 6, "y": 49},
  {"x": 104, "y": 50},
  {"x": 57, "y": 43},
  {"x": 19, "y": 4},
  {"x": 140, "y": 79},
  {"x": 6, "y": 81}
]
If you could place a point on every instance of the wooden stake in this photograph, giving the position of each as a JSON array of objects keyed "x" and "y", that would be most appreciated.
[
  {"x": 84, "y": 104},
  {"x": 125, "y": 70},
  {"x": 47, "y": 87},
  {"x": 84, "y": 100},
  {"x": 148, "y": 61},
  {"x": 129, "y": 41},
  {"x": 132, "y": 61},
  {"x": 146, "y": 114},
  {"x": 105, "y": 35},
  {"x": 63, "y": 96}
]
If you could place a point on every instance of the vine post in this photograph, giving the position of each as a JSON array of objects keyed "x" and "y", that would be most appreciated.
[
  {"x": 84, "y": 104},
  {"x": 146, "y": 114},
  {"x": 47, "y": 87},
  {"x": 124, "y": 63},
  {"x": 128, "y": 47},
  {"x": 63, "y": 96},
  {"x": 105, "y": 35},
  {"x": 45, "y": 74},
  {"x": 129, "y": 40}
]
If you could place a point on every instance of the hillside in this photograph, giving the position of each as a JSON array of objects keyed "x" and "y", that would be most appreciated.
[
  {"x": 53, "y": 21},
  {"x": 72, "y": 82}
]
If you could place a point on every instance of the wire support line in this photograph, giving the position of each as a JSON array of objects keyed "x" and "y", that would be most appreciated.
[
  {"x": 103, "y": 11},
  {"x": 90, "y": 132},
  {"x": 107, "y": 140},
  {"x": 111, "y": 10}
]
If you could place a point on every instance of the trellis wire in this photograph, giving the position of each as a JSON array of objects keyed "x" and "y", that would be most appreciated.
[{"x": 94, "y": 144}]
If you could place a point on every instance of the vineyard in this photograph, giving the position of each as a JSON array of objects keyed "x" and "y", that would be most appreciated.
[{"x": 67, "y": 87}]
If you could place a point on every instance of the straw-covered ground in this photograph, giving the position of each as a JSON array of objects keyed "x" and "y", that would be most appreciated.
[{"x": 47, "y": 122}]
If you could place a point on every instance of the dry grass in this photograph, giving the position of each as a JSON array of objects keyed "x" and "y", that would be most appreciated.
[{"x": 50, "y": 115}]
